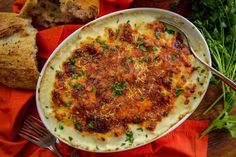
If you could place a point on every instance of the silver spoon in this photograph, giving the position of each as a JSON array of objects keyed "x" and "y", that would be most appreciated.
[{"x": 213, "y": 70}]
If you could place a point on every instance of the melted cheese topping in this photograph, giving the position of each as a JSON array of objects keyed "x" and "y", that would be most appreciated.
[{"x": 129, "y": 75}]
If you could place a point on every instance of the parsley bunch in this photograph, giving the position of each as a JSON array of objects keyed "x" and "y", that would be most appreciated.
[{"x": 216, "y": 19}]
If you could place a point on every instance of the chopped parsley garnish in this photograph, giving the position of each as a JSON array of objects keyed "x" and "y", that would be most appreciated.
[
  {"x": 122, "y": 144},
  {"x": 129, "y": 137},
  {"x": 77, "y": 125},
  {"x": 78, "y": 86},
  {"x": 70, "y": 138},
  {"x": 173, "y": 57},
  {"x": 140, "y": 129},
  {"x": 126, "y": 85},
  {"x": 91, "y": 125},
  {"x": 52, "y": 67},
  {"x": 117, "y": 32},
  {"x": 146, "y": 136},
  {"x": 143, "y": 48},
  {"x": 55, "y": 129},
  {"x": 117, "y": 90},
  {"x": 128, "y": 22},
  {"x": 93, "y": 89},
  {"x": 117, "y": 21},
  {"x": 155, "y": 48},
  {"x": 61, "y": 126},
  {"x": 81, "y": 73},
  {"x": 97, "y": 148},
  {"x": 169, "y": 31},
  {"x": 75, "y": 76},
  {"x": 157, "y": 35},
  {"x": 178, "y": 91},
  {"x": 103, "y": 43},
  {"x": 72, "y": 61},
  {"x": 203, "y": 70},
  {"x": 67, "y": 104},
  {"x": 118, "y": 87},
  {"x": 117, "y": 46},
  {"x": 144, "y": 59},
  {"x": 142, "y": 98},
  {"x": 46, "y": 106},
  {"x": 130, "y": 59}
]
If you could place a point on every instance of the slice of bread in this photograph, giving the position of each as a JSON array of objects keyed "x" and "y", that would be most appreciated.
[
  {"x": 49, "y": 13},
  {"x": 85, "y": 10},
  {"x": 18, "y": 65}
]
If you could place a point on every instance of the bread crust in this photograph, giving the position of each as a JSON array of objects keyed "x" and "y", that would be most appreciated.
[
  {"x": 18, "y": 65},
  {"x": 49, "y": 13}
]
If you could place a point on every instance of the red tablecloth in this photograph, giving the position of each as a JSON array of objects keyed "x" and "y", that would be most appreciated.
[{"x": 182, "y": 142}]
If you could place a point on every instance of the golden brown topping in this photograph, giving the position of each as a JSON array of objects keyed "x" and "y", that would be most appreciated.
[{"x": 126, "y": 77}]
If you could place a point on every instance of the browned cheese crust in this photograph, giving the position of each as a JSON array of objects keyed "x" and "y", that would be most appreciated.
[{"x": 125, "y": 78}]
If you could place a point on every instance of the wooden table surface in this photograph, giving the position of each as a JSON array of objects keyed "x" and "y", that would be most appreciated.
[{"x": 220, "y": 143}]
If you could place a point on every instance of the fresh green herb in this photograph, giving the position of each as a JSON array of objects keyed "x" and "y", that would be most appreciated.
[
  {"x": 178, "y": 91},
  {"x": 93, "y": 89},
  {"x": 75, "y": 76},
  {"x": 118, "y": 87},
  {"x": 155, "y": 48},
  {"x": 117, "y": 46},
  {"x": 129, "y": 137},
  {"x": 67, "y": 104},
  {"x": 122, "y": 144},
  {"x": 70, "y": 138},
  {"x": 77, "y": 125},
  {"x": 97, "y": 148},
  {"x": 157, "y": 35},
  {"x": 135, "y": 25},
  {"x": 144, "y": 59},
  {"x": 81, "y": 73},
  {"x": 80, "y": 95},
  {"x": 72, "y": 62},
  {"x": 217, "y": 22},
  {"x": 169, "y": 31},
  {"x": 117, "y": 32},
  {"x": 46, "y": 107},
  {"x": 78, "y": 86},
  {"x": 126, "y": 85},
  {"x": 140, "y": 129},
  {"x": 146, "y": 136},
  {"x": 52, "y": 67},
  {"x": 198, "y": 79},
  {"x": 117, "y": 90},
  {"x": 143, "y": 48},
  {"x": 79, "y": 37},
  {"x": 173, "y": 57},
  {"x": 128, "y": 22},
  {"x": 91, "y": 125},
  {"x": 142, "y": 98},
  {"x": 130, "y": 59},
  {"x": 117, "y": 21},
  {"x": 55, "y": 129},
  {"x": 103, "y": 43},
  {"x": 202, "y": 71},
  {"x": 61, "y": 126}
]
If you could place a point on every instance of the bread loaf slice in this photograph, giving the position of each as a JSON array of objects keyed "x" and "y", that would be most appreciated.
[
  {"x": 18, "y": 65},
  {"x": 49, "y": 13}
]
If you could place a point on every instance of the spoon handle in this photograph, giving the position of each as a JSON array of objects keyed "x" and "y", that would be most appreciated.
[{"x": 222, "y": 77}]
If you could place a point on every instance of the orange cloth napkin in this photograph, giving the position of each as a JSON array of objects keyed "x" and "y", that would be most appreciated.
[{"x": 15, "y": 104}]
